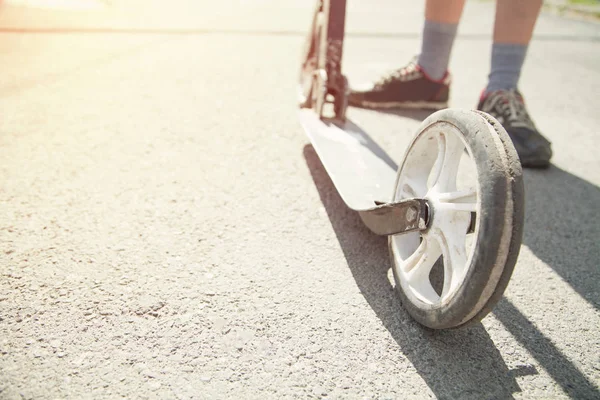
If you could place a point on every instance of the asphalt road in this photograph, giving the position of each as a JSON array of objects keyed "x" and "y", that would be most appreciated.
[{"x": 166, "y": 230}]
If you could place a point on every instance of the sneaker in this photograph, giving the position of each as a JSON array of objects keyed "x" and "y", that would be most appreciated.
[
  {"x": 508, "y": 107},
  {"x": 408, "y": 87}
]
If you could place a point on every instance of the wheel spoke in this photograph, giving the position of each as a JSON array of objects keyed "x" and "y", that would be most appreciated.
[
  {"x": 453, "y": 248},
  {"x": 450, "y": 150},
  {"x": 461, "y": 200},
  {"x": 415, "y": 258},
  {"x": 418, "y": 266},
  {"x": 460, "y": 196},
  {"x": 467, "y": 207}
]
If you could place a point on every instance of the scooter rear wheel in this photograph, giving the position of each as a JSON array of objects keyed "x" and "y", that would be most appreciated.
[{"x": 464, "y": 164}]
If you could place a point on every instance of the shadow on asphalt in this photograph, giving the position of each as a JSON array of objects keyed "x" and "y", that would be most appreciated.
[
  {"x": 570, "y": 379},
  {"x": 454, "y": 364},
  {"x": 561, "y": 227}
]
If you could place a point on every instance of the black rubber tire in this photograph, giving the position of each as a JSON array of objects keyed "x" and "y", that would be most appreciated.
[{"x": 499, "y": 225}]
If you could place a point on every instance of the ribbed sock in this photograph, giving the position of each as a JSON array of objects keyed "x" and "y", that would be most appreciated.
[
  {"x": 507, "y": 60},
  {"x": 438, "y": 38}
]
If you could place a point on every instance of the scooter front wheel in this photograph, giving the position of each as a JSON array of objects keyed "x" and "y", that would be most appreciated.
[{"x": 465, "y": 166}]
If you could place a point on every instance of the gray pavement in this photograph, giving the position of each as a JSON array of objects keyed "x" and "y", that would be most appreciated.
[{"x": 166, "y": 231}]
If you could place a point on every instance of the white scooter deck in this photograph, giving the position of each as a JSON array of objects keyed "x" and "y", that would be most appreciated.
[{"x": 363, "y": 174}]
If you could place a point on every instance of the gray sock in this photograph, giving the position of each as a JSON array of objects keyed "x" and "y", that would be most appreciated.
[
  {"x": 507, "y": 60},
  {"x": 438, "y": 38}
]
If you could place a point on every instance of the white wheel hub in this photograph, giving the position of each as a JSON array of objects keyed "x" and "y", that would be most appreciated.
[{"x": 430, "y": 170}]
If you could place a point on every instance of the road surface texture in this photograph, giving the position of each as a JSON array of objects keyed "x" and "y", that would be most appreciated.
[{"x": 166, "y": 230}]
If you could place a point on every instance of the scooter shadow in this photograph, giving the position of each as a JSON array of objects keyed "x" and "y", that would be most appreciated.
[{"x": 454, "y": 364}]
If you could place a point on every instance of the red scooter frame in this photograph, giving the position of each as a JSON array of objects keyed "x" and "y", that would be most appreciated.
[{"x": 321, "y": 78}]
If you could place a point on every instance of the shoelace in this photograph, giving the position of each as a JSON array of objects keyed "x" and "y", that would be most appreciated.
[
  {"x": 406, "y": 73},
  {"x": 510, "y": 105}
]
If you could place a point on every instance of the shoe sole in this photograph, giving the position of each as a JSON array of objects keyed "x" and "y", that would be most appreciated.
[{"x": 423, "y": 105}]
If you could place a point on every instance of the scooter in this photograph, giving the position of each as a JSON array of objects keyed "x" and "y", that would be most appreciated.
[{"x": 453, "y": 241}]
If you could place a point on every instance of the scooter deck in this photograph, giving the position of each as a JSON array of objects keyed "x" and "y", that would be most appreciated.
[{"x": 363, "y": 174}]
